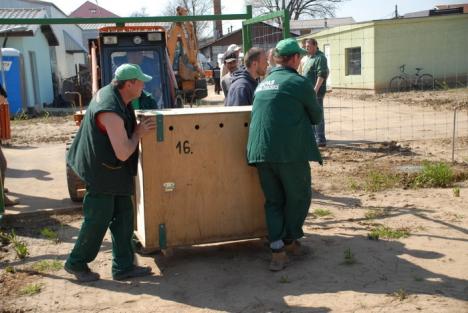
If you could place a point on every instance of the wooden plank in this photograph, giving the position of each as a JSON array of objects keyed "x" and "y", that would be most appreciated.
[{"x": 217, "y": 196}]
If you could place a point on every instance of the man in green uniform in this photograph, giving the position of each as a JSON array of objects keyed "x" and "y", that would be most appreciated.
[
  {"x": 104, "y": 154},
  {"x": 315, "y": 68},
  {"x": 280, "y": 145}
]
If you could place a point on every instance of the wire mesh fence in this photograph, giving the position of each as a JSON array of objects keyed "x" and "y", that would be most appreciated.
[{"x": 403, "y": 80}]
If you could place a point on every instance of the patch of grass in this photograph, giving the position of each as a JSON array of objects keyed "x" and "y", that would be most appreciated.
[
  {"x": 456, "y": 192},
  {"x": 378, "y": 180},
  {"x": 389, "y": 233},
  {"x": 353, "y": 184},
  {"x": 375, "y": 213},
  {"x": 373, "y": 235},
  {"x": 21, "y": 249},
  {"x": 49, "y": 234},
  {"x": 349, "y": 258},
  {"x": 322, "y": 212},
  {"x": 5, "y": 238},
  {"x": 19, "y": 246},
  {"x": 434, "y": 175},
  {"x": 401, "y": 294},
  {"x": 284, "y": 280},
  {"x": 10, "y": 269},
  {"x": 45, "y": 266},
  {"x": 30, "y": 290}
]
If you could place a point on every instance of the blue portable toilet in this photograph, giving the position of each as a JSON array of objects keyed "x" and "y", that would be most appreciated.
[{"x": 13, "y": 74}]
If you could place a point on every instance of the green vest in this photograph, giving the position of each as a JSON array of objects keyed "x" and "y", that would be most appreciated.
[
  {"x": 283, "y": 111},
  {"x": 91, "y": 154},
  {"x": 315, "y": 67}
]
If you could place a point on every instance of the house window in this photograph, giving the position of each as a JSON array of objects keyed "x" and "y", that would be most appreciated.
[
  {"x": 353, "y": 61},
  {"x": 92, "y": 11}
]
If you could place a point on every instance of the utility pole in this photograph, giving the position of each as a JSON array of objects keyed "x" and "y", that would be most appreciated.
[{"x": 396, "y": 11}]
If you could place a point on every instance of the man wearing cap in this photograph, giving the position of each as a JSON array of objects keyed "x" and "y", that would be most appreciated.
[
  {"x": 244, "y": 81},
  {"x": 280, "y": 145},
  {"x": 104, "y": 154},
  {"x": 232, "y": 51},
  {"x": 231, "y": 63},
  {"x": 315, "y": 68}
]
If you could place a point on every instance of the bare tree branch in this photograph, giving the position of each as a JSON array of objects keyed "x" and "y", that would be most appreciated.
[{"x": 297, "y": 8}]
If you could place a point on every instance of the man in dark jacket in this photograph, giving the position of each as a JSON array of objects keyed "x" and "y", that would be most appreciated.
[{"x": 244, "y": 81}]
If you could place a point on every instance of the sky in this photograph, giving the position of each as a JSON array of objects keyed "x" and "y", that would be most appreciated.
[{"x": 360, "y": 10}]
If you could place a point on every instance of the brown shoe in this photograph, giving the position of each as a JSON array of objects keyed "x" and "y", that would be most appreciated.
[
  {"x": 279, "y": 260},
  {"x": 9, "y": 202},
  {"x": 296, "y": 249}
]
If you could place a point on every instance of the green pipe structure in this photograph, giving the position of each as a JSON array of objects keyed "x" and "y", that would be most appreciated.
[{"x": 247, "y": 26}]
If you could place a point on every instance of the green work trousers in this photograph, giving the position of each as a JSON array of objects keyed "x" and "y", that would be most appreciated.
[
  {"x": 287, "y": 190},
  {"x": 102, "y": 212}
]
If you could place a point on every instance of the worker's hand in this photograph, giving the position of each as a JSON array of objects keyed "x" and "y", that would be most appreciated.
[{"x": 146, "y": 125}]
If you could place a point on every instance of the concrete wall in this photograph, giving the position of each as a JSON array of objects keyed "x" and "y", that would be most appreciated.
[
  {"x": 341, "y": 38},
  {"x": 439, "y": 45}
]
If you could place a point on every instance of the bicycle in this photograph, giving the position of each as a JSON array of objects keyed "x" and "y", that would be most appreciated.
[{"x": 405, "y": 82}]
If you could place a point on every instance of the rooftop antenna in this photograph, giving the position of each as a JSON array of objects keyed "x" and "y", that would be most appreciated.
[{"x": 98, "y": 9}]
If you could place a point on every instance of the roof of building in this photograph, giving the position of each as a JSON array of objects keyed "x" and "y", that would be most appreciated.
[
  {"x": 17, "y": 30},
  {"x": 72, "y": 45},
  {"x": 439, "y": 10},
  {"x": 38, "y": 4},
  {"x": 366, "y": 24},
  {"x": 320, "y": 23},
  {"x": 90, "y": 10},
  {"x": 6, "y": 13},
  {"x": 417, "y": 14},
  {"x": 210, "y": 42}
]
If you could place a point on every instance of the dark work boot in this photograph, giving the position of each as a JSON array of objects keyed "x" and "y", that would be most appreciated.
[
  {"x": 136, "y": 271},
  {"x": 83, "y": 276}
]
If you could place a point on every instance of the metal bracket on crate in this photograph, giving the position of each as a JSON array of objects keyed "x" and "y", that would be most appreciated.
[
  {"x": 162, "y": 236},
  {"x": 159, "y": 127}
]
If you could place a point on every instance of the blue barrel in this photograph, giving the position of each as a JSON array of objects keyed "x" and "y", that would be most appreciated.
[{"x": 13, "y": 76}]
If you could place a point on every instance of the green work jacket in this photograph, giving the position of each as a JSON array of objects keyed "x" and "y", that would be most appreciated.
[
  {"x": 283, "y": 111},
  {"x": 315, "y": 67},
  {"x": 91, "y": 154}
]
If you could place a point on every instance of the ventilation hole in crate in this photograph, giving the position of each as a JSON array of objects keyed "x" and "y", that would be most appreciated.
[
  {"x": 221, "y": 125},
  {"x": 197, "y": 127},
  {"x": 171, "y": 128}
]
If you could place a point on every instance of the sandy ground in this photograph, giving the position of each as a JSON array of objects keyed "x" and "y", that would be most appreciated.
[{"x": 425, "y": 272}]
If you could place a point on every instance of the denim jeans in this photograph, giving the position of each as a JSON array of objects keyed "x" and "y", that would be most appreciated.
[{"x": 319, "y": 129}]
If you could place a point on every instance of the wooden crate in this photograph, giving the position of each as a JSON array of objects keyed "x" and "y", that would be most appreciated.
[{"x": 194, "y": 185}]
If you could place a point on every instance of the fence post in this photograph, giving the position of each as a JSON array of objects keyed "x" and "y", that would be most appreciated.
[
  {"x": 246, "y": 32},
  {"x": 454, "y": 133},
  {"x": 286, "y": 31}
]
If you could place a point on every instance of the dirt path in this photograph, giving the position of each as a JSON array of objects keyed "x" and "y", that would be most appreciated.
[{"x": 423, "y": 271}]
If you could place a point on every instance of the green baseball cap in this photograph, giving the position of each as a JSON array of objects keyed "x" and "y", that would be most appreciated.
[
  {"x": 289, "y": 47},
  {"x": 129, "y": 71}
]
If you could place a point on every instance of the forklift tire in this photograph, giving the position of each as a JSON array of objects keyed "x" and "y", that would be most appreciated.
[
  {"x": 201, "y": 89},
  {"x": 74, "y": 183}
]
